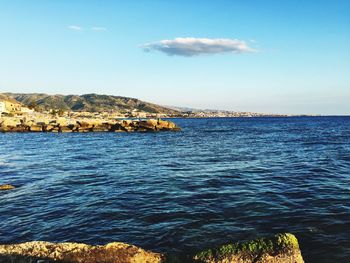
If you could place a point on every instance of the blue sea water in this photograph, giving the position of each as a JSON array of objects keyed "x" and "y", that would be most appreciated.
[{"x": 219, "y": 180}]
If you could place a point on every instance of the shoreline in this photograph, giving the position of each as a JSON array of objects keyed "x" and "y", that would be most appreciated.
[
  {"x": 262, "y": 117},
  {"x": 280, "y": 248}
]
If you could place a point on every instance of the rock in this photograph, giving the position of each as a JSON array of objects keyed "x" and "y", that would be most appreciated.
[
  {"x": 82, "y": 129},
  {"x": 103, "y": 127},
  {"x": 36, "y": 128},
  {"x": 55, "y": 129},
  {"x": 126, "y": 123},
  {"x": 149, "y": 124},
  {"x": 71, "y": 126},
  {"x": 4, "y": 129},
  {"x": 74, "y": 252},
  {"x": 10, "y": 122},
  {"x": 128, "y": 129},
  {"x": 41, "y": 123},
  {"x": 116, "y": 127},
  {"x": 62, "y": 121},
  {"x": 64, "y": 129},
  {"x": 165, "y": 125},
  {"x": 281, "y": 248},
  {"x": 84, "y": 124},
  {"x": 162, "y": 123},
  {"x": 30, "y": 123},
  {"x": 20, "y": 128},
  {"x": 48, "y": 128},
  {"x": 4, "y": 187}
]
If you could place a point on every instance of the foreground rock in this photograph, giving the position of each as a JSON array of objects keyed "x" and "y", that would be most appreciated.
[
  {"x": 282, "y": 248},
  {"x": 4, "y": 187},
  {"x": 10, "y": 124},
  {"x": 39, "y": 251}
]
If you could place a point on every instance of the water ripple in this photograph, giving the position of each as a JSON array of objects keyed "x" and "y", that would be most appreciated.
[{"x": 218, "y": 180}]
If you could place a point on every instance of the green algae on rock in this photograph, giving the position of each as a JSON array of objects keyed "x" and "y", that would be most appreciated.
[{"x": 279, "y": 248}]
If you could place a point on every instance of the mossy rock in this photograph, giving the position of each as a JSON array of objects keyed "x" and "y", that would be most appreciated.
[{"x": 285, "y": 244}]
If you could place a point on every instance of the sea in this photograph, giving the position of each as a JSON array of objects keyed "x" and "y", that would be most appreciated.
[{"x": 219, "y": 180}]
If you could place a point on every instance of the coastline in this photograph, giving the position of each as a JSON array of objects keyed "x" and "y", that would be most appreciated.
[{"x": 280, "y": 248}]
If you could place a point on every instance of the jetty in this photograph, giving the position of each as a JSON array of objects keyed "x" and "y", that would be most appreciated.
[{"x": 58, "y": 125}]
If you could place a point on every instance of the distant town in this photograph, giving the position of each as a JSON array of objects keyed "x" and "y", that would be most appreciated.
[
  {"x": 102, "y": 107},
  {"x": 226, "y": 114}
]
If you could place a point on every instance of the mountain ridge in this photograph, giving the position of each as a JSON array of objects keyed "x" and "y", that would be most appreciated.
[{"x": 91, "y": 102}]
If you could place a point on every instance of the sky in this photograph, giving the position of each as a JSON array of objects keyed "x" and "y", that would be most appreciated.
[{"x": 290, "y": 56}]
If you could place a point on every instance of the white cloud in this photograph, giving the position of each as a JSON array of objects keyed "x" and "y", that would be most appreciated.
[
  {"x": 76, "y": 28},
  {"x": 191, "y": 46},
  {"x": 98, "y": 28}
]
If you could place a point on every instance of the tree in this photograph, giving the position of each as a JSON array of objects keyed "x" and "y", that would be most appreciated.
[
  {"x": 60, "y": 112},
  {"x": 33, "y": 105}
]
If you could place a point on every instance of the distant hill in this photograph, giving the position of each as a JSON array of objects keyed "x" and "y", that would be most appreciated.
[
  {"x": 87, "y": 102},
  {"x": 7, "y": 98}
]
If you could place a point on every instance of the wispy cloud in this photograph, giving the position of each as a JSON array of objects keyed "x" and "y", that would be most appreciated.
[
  {"x": 191, "y": 46},
  {"x": 76, "y": 28},
  {"x": 98, "y": 28}
]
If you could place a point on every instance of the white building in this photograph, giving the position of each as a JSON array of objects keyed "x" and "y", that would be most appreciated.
[
  {"x": 26, "y": 110},
  {"x": 2, "y": 107}
]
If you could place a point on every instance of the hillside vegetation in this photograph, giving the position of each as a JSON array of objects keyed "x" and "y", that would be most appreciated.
[{"x": 87, "y": 102}]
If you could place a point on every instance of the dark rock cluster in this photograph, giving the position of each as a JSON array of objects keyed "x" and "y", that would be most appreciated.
[{"x": 150, "y": 125}]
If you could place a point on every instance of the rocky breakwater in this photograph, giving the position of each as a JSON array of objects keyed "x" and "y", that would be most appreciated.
[
  {"x": 85, "y": 125},
  {"x": 281, "y": 248}
]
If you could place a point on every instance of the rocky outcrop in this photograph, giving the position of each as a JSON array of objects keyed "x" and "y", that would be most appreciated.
[
  {"x": 282, "y": 248},
  {"x": 9, "y": 124},
  {"x": 4, "y": 187},
  {"x": 39, "y": 251}
]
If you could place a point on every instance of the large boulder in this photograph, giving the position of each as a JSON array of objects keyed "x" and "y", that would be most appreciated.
[
  {"x": 48, "y": 128},
  {"x": 36, "y": 128},
  {"x": 10, "y": 121},
  {"x": 281, "y": 248},
  {"x": 30, "y": 123},
  {"x": 62, "y": 121},
  {"x": 167, "y": 126},
  {"x": 148, "y": 124},
  {"x": 116, "y": 127},
  {"x": 84, "y": 124},
  {"x": 64, "y": 129},
  {"x": 75, "y": 252},
  {"x": 101, "y": 128}
]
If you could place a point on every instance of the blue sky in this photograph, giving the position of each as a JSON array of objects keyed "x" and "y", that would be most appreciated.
[{"x": 299, "y": 58}]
